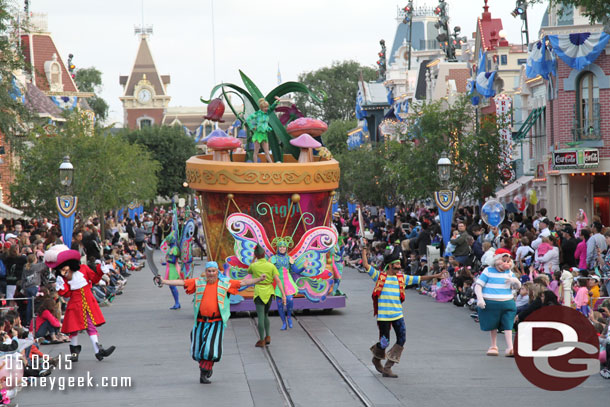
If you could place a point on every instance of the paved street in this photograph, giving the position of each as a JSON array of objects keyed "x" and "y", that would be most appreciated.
[{"x": 443, "y": 363}]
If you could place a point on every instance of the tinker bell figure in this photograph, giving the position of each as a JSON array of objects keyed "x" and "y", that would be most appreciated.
[
  {"x": 285, "y": 265},
  {"x": 259, "y": 124}
]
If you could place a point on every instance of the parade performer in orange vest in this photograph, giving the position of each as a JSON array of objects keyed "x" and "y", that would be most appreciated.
[
  {"x": 212, "y": 310},
  {"x": 388, "y": 296}
]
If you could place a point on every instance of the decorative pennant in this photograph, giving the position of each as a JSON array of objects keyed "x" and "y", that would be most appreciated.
[
  {"x": 578, "y": 50},
  {"x": 66, "y": 206},
  {"x": 540, "y": 61}
]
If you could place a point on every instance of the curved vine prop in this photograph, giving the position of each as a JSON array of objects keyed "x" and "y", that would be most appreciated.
[{"x": 279, "y": 140}]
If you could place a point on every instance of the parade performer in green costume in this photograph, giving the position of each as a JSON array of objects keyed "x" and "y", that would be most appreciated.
[
  {"x": 285, "y": 266},
  {"x": 263, "y": 291},
  {"x": 259, "y": 124}
]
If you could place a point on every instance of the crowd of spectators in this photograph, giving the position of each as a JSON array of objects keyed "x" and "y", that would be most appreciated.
[
  {"x": 543, "y": 250},
  {"x": 31, "y": 311}
]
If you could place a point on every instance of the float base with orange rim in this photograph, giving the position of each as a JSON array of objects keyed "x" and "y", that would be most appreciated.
[{"x": 287, "y": 199}]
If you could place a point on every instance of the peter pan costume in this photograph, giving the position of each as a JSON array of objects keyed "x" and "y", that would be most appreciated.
[{"x": 263, "y": 291}]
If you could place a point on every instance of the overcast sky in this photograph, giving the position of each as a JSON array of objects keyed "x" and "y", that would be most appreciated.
[{"x": 252, "y": 35}]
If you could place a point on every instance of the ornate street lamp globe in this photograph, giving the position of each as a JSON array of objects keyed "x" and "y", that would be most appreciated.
[
  {"x": 66, "y": 172},
  {"x": 444, "y": 168}
]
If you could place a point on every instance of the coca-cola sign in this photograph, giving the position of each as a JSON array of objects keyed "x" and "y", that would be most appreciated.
[
  {"x": 564, "y": 159},
  {"x": 575, "y": 158}
]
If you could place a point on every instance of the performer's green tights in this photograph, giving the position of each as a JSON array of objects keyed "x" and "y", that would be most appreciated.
[{"x": 262, "y": 312}]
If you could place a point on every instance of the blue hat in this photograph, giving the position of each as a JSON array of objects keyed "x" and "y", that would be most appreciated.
[{"x": 211, "y": 264}]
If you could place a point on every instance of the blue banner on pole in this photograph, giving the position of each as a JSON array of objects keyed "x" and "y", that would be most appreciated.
[
  {"x": 66, "y": 206},
  {"x": 335, "y": 207},
  {"x": 132, "y": 210},
  {"x": 445, "y": 200},
  {"x": 445, "y": 220},
  {"x": 351, "y": 208},
  {"x": 389, "y": 213},
  {"x": 121, "y": 213}
]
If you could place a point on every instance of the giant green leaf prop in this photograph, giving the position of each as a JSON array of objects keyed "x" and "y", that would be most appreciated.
[{"x": 279, "y": 139}]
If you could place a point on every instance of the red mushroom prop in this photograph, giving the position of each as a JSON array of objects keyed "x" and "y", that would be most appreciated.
[
  {"x": 221, "y": 147},
  {"x": 215, "y": 110},
  {"x": 306, "y": 143},
  {"x": 313, "y": 127}
]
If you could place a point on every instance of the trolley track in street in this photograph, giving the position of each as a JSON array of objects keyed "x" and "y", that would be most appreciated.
[{"x": 284, "y": 389}]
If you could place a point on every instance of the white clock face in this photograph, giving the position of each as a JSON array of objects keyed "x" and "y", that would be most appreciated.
[{"x": 144, "y": 96}]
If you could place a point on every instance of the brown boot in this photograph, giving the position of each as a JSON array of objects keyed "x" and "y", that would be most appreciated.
[
  {"x": 393, "y": 357},
  {"x": 267, "y": 340},
  {"x": 378, "y": 356},
  {"x": 260, "y": 344},
  {"x": 387, "y": 370}
]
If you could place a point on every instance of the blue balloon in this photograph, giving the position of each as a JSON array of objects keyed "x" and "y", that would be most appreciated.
[{"x": 492, "y": 213}]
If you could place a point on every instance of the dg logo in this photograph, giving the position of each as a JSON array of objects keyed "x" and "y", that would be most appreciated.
[{"x": 557, "y": 348}]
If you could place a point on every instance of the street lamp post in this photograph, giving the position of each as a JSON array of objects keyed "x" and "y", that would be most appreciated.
[
  {"x": 445, "y": 198},
  {"x": 444, "y": 169},
  {"x": 66, "y": 203},
  {"x": 66, "y": 174}
]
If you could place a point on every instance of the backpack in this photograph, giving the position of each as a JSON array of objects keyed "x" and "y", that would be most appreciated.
[{"x": 2, "y": 269}]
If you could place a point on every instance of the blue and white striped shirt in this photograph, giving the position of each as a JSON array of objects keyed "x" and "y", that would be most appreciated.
[
  {"x": 495, "y": 284},
  {"x": 389, "y": 307}
]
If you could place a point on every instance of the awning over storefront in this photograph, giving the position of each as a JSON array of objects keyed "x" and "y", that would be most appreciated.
[
  {"x": 514, "y": 187},
  {"x": 7, "y": 212},
  {"x": 528, "y": 123}
]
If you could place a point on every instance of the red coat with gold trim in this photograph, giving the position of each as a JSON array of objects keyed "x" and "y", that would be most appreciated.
[{"x": 82, "y": 302}]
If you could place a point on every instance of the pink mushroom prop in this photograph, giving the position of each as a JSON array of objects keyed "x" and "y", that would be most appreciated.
[
  {"x": 313, "y": 127},
  {"x": 306, "y": 143},
  {"x": 221, "y": 147}
]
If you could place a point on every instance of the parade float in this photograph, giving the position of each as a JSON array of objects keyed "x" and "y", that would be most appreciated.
[{"x": 245, "y": 200}]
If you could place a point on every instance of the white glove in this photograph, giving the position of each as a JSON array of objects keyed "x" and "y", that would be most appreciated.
[
  {"x": 481, "y": 303},
  {"x": 59, "y": 283}
]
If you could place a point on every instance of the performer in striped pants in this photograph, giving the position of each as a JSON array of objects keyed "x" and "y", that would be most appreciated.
[{"x": 212, "y": 310}]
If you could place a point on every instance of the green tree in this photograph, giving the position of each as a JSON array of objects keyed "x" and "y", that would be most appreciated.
[
  {"x": 596, "y": 10},
  {"x": 108, "y": 171},
  {"x": 171, "y": 147},
  {"x": 436, "y": 128},
  {"x": 335, "y": 138},
  {"x": 13, "y": 113},
  {"x": 366, "y": 175},
  {"x": 392, "y": 171},
  {"x": 90, "y": 80},
  {"x": 340, "y": 82}
]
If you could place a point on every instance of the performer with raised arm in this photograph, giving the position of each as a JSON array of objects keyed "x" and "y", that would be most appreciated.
[
  {"x": 388, "y": 295},
  {"x": 74, "y": 281},
  {"x": 212, "y": 310}
]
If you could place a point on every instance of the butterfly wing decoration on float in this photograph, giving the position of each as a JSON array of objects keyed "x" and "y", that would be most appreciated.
[
  {"x": 309, "y": 253},
  {"x": 186, "y": 240},
  {"x": 314, "y": 280},
  {"x": 247, "y": 232}
]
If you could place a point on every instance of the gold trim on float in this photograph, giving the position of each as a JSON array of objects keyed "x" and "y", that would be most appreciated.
[{"x": 204, "y": 174}]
